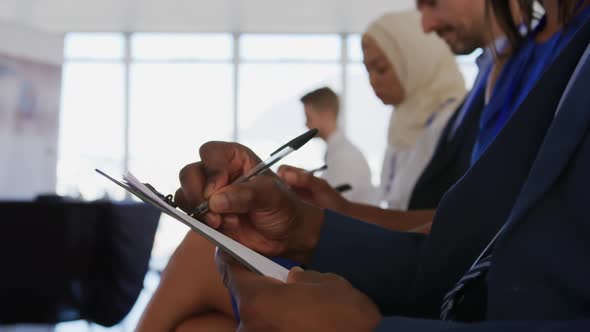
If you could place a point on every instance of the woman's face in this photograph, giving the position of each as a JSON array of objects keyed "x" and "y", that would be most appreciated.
[{"x": 382, "y": 75}]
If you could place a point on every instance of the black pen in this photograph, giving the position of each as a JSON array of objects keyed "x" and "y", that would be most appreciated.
[
  {"x": 279, "y": 154},
  {"x": 343, "y": 188},
  {"x": 319, "y": 169}
]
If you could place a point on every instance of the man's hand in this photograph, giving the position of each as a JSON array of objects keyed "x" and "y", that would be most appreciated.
[
  {"x": 313, "y": 189},
  {"x": 309, "y": 301},
  {"x": 262, "y": 214}
]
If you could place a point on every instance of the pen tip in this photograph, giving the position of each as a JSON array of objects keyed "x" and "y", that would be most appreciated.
[
  {"x": 298, "y": 141},
  {"x": 303, "y": 139}
]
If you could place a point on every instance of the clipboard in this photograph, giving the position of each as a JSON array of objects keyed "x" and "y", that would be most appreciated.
[{"x": 248, "y": 257}]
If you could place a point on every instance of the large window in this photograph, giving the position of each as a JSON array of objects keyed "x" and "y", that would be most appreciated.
[
  {"x": 92, "y": 126},
  {"x": 145, "y": 102},
  {"x": 180, "y": 97}
]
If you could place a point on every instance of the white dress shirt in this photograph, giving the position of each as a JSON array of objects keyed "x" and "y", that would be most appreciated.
[
  {"x": 347, "y": 165},
  {"x": 402, "y": 168}
]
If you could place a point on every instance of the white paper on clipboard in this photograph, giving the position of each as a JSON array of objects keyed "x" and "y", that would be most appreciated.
[{"x": 251, "y": 259}]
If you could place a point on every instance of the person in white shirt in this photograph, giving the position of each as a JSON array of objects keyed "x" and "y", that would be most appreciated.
[{"x": 346, "y": 164}]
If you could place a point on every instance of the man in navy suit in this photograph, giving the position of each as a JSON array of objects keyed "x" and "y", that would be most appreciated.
[{"x": 524, "y": 200}]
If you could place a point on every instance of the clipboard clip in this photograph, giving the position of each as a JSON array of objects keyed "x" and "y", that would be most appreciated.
[{"x": 169, "y": 199}]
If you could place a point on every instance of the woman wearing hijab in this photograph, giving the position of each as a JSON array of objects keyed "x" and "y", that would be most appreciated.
[{"x": 416, "y": 74}]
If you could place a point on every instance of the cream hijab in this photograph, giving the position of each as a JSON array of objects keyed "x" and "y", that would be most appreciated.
[{"x": 426, "y": 69}]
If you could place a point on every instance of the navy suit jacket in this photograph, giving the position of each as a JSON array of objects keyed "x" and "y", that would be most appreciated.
[
  {"x": 533, "y": 177},
  {"x": 451, "y": 159}
]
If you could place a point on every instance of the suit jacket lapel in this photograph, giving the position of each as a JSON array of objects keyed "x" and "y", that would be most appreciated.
[{"x": 559, "y": 146}]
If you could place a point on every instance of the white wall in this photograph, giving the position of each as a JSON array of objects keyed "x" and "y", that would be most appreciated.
[
  {"x": 30, "y": 82},
  {"x": 199, "y": 15},
  {"x": 25, "y": 42}
]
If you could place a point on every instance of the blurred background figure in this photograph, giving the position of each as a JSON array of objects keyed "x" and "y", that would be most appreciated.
[
  {"x": 416, "y": 74},
  {"x": 345, "y": 163}
]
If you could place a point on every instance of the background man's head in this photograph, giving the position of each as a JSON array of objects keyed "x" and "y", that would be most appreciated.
[
  {"x": 321, "y": 111},
  {"x": 462, "y": 24}
]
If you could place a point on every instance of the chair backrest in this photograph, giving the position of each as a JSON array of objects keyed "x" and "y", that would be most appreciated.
[{"x": 65, "y": 261}]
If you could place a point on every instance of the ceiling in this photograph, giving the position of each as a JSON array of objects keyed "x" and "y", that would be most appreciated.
[{"x": 300, "y": 16}]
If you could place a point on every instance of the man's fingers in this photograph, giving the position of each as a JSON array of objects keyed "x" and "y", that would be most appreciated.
[
  {"x": 181, "y": 201},
  {"x": 283, "y": 169},
  {"x": 192, "y": 182},
  {"x": 236, "y": 199},
  {"x": 295, "y": 178},
  {"x": 224, "y": 162},
  {"x": 214, "y": 220},
  {"x": 242, "y": 282},
  {"x": 221, "y": 164},
  {"x": 298, "y": 178},
  {"x": 298, "y": 275},
  {"x": 242, "y": 198}
]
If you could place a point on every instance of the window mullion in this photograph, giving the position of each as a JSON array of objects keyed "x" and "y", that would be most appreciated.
[
  {"x": 236, "y": 83},
  {"x": 344, "y": 77},
  {"x": 127, "y": 103}
]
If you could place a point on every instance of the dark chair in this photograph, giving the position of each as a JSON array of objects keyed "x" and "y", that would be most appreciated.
[{"x": 63, "y": 261}]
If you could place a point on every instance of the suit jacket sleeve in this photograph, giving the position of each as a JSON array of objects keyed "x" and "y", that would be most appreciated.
[
  {"x": 379, "y": 262},
  {"x": 395, "y": 324}
]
